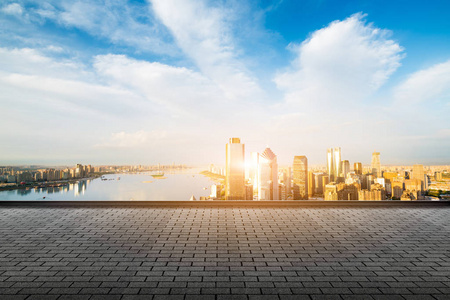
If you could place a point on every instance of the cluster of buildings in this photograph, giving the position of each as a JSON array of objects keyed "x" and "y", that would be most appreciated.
[
  {"x": 263, "y": 179},
  {"x": 17, "y": 175}
]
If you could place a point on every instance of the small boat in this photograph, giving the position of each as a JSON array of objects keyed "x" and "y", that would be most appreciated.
[{"x": 158, "y": 175}]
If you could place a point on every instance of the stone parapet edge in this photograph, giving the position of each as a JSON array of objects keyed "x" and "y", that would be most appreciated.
[{"x": 234, "y": 203}]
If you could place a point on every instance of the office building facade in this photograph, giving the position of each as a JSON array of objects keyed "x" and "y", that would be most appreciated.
[{"x": 235, "y": 170}]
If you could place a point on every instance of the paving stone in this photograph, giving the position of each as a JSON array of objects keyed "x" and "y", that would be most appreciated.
[{"x": 224, "y": 253}]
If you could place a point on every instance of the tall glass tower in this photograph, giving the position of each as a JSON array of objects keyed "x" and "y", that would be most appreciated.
[
  {"x": 337, "y": 163},
  {"x": 357, "y": 166},
  {"x": 268, "y": 176},
  {"x": 300, "y": 188},
  {"x": 376, "y": 165},
  {"x": 330, "y": 164},
  {"x": 235, "y": 170}
]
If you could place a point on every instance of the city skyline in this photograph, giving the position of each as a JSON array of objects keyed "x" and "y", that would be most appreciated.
[
  {"x": 160, "y": 81},
  {"x": 259, "y": 178}
]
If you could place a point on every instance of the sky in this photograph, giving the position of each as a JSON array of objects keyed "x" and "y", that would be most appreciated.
[{"x": 162, "y": 81}]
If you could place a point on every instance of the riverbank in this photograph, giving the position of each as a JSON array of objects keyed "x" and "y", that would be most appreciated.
[{"x": 46, "y": 184}]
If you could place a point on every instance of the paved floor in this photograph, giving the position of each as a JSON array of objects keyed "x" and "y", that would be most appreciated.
[{"x": 224, "y": 253}]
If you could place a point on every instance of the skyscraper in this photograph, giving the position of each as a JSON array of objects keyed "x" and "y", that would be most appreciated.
[
  {"x": 268, "y": 176},
  {"x": 311, "y": 184},
  {"x": 419, "y": 174},
  {"x": 235, "y": 170},
  {"x": 300, "y": 188},
  {"x": 345, "y": 168},
  {"x": 330, "y": 164},
  {"x": 254, "y": 173},
  {"x": 376, "y": 165},
  {"x": 337, "y": 162},
  {"x": 358, "y": 168}
]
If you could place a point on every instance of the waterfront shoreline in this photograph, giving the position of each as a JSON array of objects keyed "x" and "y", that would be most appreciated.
[{"x": 47, "y": 184}]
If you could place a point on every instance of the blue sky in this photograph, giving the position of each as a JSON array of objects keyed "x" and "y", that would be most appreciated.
[{"x": 171, "y": 80}]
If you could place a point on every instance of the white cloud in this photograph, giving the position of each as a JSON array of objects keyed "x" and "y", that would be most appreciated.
[
  {"x": 180, "y": 90},
  {"x": 425, "y": 86},
  {"x": 14, "y": 9},
  {"x": 136, "y": 139},
  {"x": 118, "y": 21},
  {"x": 340, "y": 64},
  {"x": 33, "y": 62},
  {"x": 204, "y": 34}
]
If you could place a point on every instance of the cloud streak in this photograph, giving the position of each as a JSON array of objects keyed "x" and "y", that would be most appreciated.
[{"x": 203, "y": 33}]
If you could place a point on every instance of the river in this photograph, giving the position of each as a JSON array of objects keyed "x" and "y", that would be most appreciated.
[{"x": 142, "y": 186}]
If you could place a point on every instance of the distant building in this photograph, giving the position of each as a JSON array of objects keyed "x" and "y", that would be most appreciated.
[
  {"x": 337, "y": 162},
  {"x": 357, "y": 166},
  {"x": 248, "y": 192},
  {"x": 376, "y": 165},
  {"x": 341, "y": 191},
  {"x": 79, "y": 172},
  {"x": 325, "y": 181},
  {"x": 300, "y": 170},
  {"x": 397, "y": 187},
  {"x": 413, "y": 186},
  {"x": 330, "y": 192},
  {"x": 438, "y": 176},
  {"x": 345, "y": 168},
  {"x": 411, "y": 195},
  {"x": 330, "y": 164},
  {"x": 381, "y": 181},
  {"x": 268, "y": 176},
  {"x": 311, "y": 184},
  {"x": 318, "y": 182},
  {"x": 418, "y": 173},
  {"x": 235, "y": 170},
  {"x": 216, "y": 191},
  {"x": 11, "y": 179},
  {"x": 254, "y": 173},
  {"x": 377, "y": 192}
]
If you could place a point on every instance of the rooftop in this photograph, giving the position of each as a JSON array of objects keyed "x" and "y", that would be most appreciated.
[{"x": 209, "y": 251}]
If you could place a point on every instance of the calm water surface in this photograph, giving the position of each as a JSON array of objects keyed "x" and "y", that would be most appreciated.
[{"x": 176, "y": 186}]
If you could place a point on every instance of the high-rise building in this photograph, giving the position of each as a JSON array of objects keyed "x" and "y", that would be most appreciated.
[
  {"x": 330, "y": 164},
  {"x": 330, "y": 191},
  {"x": 414, "y": 185},
  {"x": 337, "y": 162},
  {"x": 376, "y": 192},
  {"x": 235, "y": 170},
  {"x": 311, "y": 184},
  {"x": 341, "y": 191},
  {"x": 345, "y": 168},
  {"x": 358, "y": 168},
  {"x": 300, "y": 170},
  {"x": 288, "y": 182},
  {"x": 418, "y": 173},
  {"x": 318, "y": 182},
  {"x": 325, "y": 181},
  {"x": 254, "y": 173},
  {"x": 268, "y": 176},
  {"x": 248, "y": 192},
  {"x": 397, "y": 187},
  {"x": 376, "y": 165}
]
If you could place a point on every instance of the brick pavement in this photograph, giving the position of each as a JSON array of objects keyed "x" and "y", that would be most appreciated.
[{"x": 224, "y": 253}]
